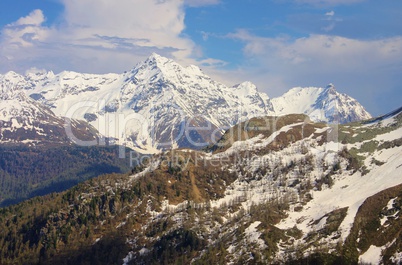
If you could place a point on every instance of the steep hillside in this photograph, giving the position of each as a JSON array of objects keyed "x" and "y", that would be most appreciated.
[
  {"x": 296, "y": 192},
  {"x": 28, "y": 171}
]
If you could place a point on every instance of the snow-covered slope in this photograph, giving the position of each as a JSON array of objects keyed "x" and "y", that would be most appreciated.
[
  {"x": 23, "y": 120},
  {"x": 345, "y": 167},
  {"x": 321, "y": 104},
  {"x": 160, "y": 104},
  {"x": 301, "y": 193}
]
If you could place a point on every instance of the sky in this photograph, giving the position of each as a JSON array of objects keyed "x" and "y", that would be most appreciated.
[{"x": 276, "y": 44}]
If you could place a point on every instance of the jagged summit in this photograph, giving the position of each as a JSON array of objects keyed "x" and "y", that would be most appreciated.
[
  {"x": 330, "y": 86},
  {"x": 246, "y": 88},
  {"x": 24, "y": 120},
  {"x": 321, "y": 104},
  {"x": 156, "y": 56},
  {"x": 157, "y": 67},
  {"x": 248, "y": 93},
  {"x": 161, "y": 100},
  {"x": 330, "y": 90},
  {"x": 157, "y": 60}
]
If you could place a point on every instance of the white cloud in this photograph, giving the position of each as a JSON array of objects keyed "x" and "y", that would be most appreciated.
[
  {"x": 325, "y": 50},
  {"x": 25, "y": 31},
  {"x": 329, "y": 27},
  {"x": 141, "y": 23},
  {"x": 36, "y": 17},
  {"x": 159, "y": 22},
  {"x": 277, "y": 64},
  {"x": 332, "y": 19},
  {"x": 205, "y": 35},
  {"x": 210, "y": 62},
  {"x": 99, "y": 36},
  {"x": 197, "y": 3}
]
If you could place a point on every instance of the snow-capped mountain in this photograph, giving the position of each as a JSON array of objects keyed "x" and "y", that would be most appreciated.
[
  {"x": 321, "y": 104},
  {"x": 160, "y": 104},
  {"x": 25, "y": 120}
]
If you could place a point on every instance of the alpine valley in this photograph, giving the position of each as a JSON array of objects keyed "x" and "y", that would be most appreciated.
[{"x": 223, "y": 175}]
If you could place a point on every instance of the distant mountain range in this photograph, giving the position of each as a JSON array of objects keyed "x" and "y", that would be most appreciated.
[{"x": 157, "y": 105}]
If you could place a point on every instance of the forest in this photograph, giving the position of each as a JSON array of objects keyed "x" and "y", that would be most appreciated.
[{"x": 28, "y": 171}]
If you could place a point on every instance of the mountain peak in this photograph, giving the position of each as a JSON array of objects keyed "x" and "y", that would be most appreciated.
[
  {"x": 245, "y": 88},
  {"x": 157, "y": 59},
  {"x": 161, "y": 90},
  {"x": 12, "y": 76},
  {"x": 158, "y": 63},
  {"x": 328, "y": 104},
  {"x": 35, "y": 74},
  {"x": 330, "y": 88}
]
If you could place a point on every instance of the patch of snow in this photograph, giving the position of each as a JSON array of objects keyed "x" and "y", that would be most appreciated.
[
  {"x": 231, "y": 249},
  {"x": 383, "y": 220},
  {"x": 391, "y": 203},
  {"x": 389, "y": 207},
  {"x": 397, "y": 258},
  {"x": 349, "y": 191},
  {"x": 395, "y": 134},
  {"x": 121, "y": 224},
  {"x": 143, "y": 251},
  {"x": 321, "y": 130},
  {"x": 128, "y": 258},
  {"x": 321, "y": 223},
  {"x": 252, "y": 234},
  {"x": 372, "y": 255}
]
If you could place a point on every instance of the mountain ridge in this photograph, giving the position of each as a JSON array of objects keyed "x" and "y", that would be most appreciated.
[
  {"x": 156, "y": 103},
  {"x": 24, "y": 120}
]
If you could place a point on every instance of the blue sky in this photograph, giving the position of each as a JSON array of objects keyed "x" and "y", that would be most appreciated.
[{"x": 277, "y": 44}]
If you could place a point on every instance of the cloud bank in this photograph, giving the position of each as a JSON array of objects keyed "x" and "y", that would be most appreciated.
[
  {"x": 366, "y": 69},
  {"x": 95, "y": 33}
]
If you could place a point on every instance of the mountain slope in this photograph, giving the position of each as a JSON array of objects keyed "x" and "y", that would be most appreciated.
[
  {"x": 23, "y": 120},
  {"x": 28, "y": 171},
  {"x": 159, "y": 104},
  {"x": 282, "y": 190},
  {"x": 42, "y": 153},
  {"x": 321, "y": 104}
]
